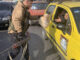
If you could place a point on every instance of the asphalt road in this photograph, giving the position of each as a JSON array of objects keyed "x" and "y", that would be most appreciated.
[{"x": 39, "y": 49}]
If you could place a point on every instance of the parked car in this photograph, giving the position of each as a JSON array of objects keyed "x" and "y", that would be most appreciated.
[
  {"x": 66, "y": 38},
  {"x": 37, "y": 10},
  {"x": 5, "y": 13}
]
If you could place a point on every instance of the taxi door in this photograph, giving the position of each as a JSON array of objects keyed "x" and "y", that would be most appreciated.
[{"x": 59, "y": 35}]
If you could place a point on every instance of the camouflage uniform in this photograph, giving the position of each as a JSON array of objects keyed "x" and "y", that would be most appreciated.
[
  {"x": 18, "y": 24},
  {"x": 19, "y": 19}
]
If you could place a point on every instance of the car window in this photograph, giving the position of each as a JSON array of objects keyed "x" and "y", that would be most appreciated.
[
  {"x": 50, "y": 9},
  {"x": 39, "y": 5},
  {"x": 76, "y": 14},
  {"x": 62, "y": 18},
  {"x": 5, "y": 6}
]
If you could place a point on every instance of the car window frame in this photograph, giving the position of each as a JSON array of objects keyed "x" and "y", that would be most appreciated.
[{"x": 69, "y": 18}]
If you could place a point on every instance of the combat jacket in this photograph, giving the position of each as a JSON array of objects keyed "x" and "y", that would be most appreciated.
[{"x": 19, "y": 21}]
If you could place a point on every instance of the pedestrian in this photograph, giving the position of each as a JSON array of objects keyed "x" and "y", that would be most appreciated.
[{"x": 18, "y": 26}]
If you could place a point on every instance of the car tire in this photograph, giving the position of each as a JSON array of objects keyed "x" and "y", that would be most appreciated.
[{"x": 44, "y": 36}]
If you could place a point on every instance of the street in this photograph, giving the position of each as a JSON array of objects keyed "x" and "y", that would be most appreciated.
[{"x": 39, "y": 49}]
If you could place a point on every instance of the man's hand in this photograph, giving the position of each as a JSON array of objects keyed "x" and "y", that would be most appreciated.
[{"x": 58, "y": 20}]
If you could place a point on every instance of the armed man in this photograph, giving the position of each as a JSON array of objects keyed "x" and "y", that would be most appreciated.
[{"x": 18, "y": 27}]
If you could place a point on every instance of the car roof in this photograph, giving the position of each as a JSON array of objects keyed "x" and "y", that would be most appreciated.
[
  {"x": 39, "y": 2},
  {"x": 68, "y": 3}
]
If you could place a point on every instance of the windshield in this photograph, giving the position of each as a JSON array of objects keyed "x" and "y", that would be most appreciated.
[
  {"x": 39, "y": 6},
  {"x": 76, "y": 14},
  {"x": 5, "y": 6}
]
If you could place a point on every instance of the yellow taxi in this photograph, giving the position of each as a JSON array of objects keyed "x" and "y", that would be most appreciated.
[{"x": 66, "y": 37}]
